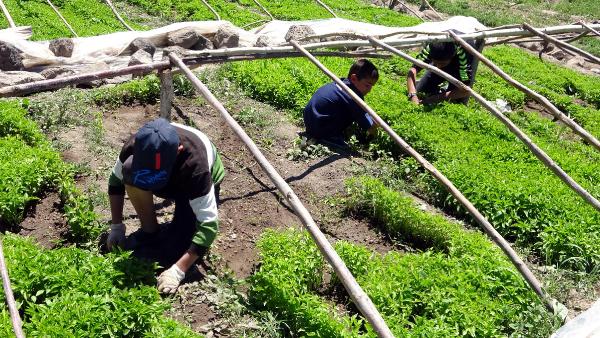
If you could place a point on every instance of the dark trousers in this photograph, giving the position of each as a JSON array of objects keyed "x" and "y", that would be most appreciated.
[
  {"x": 430, "y": 83},
  {"x": 183, "y": 227},
  {"x": 174, "y": 239}
]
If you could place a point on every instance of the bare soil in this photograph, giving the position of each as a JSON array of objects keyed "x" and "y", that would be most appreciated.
[
  {"x": 250, "y": 202},
  {"x": 45, "y": 222}
]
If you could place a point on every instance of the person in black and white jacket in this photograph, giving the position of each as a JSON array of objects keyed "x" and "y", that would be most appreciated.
[{"x": 171, "y": 161}]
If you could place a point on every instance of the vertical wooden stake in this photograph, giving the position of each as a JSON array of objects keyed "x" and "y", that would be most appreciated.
[
  {"x": 10, "y": 298},
  {"x": 166, "y": 93}
]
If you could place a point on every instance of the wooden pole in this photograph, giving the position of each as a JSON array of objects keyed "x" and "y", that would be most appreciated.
[
  {"x": 485, "y": 224},
  {"x": 264, "y": 9},
  {"x": 10, "y": 298},
  {"x": 254, "y": 23},
  {"x": 62, "y": 18},
  {"x": 410, "y": 10},
  {"x": 539, "y": 98},
  {"x": 359, "y": 297},
  {"x": 9, "y": 18},
  {"x": 114, "y": 10},
  {"x": 539, "y": 153},
  {"x": 589, "y": 28},
  {"x": 576, "y": 37},
  {"x": 410, "y": 42},
  {"x": 166, "y": 93},
  {"x": 217, "y": 16},
  {"x": 562, "y": 44},
  {"x": 425, "y": 3},
  {"x": 327, "y": 8},
  {"x": 38, "y": 86},
  {"x": 195, "y": 61}
]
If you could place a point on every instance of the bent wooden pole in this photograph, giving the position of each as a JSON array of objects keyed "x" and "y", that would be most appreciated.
[
  {"x": 539, "y": 98},
  {"x": 327, "y": 8},
  {"x": 537, "y": 151},
  {"x": 562, "y": 44},
  {"x": 485, "y": 224},
  {"x": 114, "y": 10},
  {"x": 10, "y": 298},
  {"x": 217, "y": 16},
  {"x": 9, "y": 18},
  {"x": 359, "y": 297},
  {"x": 264, "y": 9},
  {"x": 62, "y": 18}
]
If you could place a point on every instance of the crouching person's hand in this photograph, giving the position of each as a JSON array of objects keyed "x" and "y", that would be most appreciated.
[
  {"x": 116, "y": 236},
  {"x": 168, "y": 280}
]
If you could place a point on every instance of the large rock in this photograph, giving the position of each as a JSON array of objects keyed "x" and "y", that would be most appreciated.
[
  {"x": 298, "y": 32},
  {"x": 10, "y": 57},
  {"x": 141, "y": 57},
  {"x": 203, "y": 43},
  {"x": 56, "y": 72},
  {"x": 62, "y": 47},
  {"x": 11, "y": 78},
  {"x": 263, "y": 41},
  {"x": 226, "y": 37},
  {"x": 179, "y": 51},
  {"x": 143, "y": 44},
  {"x": 185, "y": 37}
]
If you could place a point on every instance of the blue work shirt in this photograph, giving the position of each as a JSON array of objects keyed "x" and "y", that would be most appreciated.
[{"x": 331, "y": 110}]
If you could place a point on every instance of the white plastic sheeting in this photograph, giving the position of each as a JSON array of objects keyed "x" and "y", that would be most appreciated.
[
  {"x": 111, "y": 48},
  {"x": 276, "y": 30},
  {"x": 585, "y": 325}
]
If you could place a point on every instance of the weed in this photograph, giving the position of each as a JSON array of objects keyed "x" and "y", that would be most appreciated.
[{"x": 303, "y": 151}]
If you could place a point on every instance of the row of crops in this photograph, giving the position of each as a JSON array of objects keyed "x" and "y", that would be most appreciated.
[
  {"x": 495, "y": 171},
  {"x": 423, "y": 294},
  {"x": 456, "y": 283}
]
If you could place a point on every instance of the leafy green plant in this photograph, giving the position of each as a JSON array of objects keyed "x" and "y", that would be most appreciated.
[
  {"x": 486, "y": 162},
  {"x": 29, "y": 166},
  {"x": 301, "y": 151},
  {"x": 88, "y": 18},
  {"x": 238, "y": 13},
  {"x": 291, "y": 270},
  {"x": 72, "y": 292}
]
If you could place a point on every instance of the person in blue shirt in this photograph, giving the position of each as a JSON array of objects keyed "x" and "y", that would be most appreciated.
[{"x": 331, "y": 110}]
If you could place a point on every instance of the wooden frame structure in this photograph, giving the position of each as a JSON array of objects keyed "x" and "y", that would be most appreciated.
[{"x": 359, "y": 297}]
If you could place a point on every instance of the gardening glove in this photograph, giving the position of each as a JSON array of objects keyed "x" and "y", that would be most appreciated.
[
  {"x": 169, "y": 280},
  {"x": 116, "y": 237}
]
